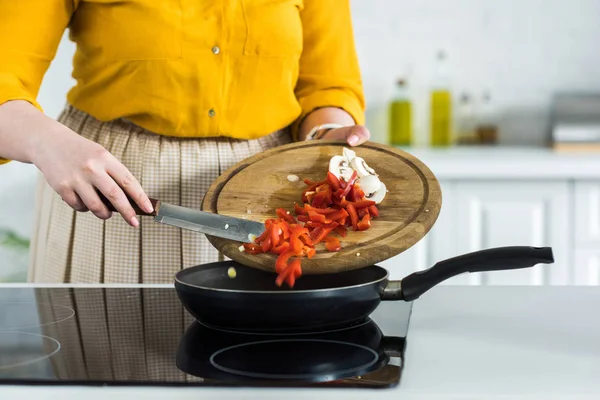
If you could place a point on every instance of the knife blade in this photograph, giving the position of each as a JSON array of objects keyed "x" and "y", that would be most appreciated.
[
  {"x": 223, "y": 226},
  {"x": 241, "y": 230}
]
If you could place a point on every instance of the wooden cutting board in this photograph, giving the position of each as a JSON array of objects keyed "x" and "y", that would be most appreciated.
[{"x": 257, "y": 186}]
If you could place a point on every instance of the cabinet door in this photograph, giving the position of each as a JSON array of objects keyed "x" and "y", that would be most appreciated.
[
  {"x": 587, "y": 267},
  {"x": 587, "y": 213},
  {"x": 507, "y": 213}
]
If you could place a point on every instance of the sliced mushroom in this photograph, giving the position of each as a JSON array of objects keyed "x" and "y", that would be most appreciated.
[
  {"x": 348, "y": 154},
  {"x": 379, "y": 195},
  {"x": 340, "y": 167},
  {"x": 369, "y": 184},
  {"x": 361, "y": 167}
]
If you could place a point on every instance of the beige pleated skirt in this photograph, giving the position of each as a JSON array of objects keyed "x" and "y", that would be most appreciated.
[{"x": 74, "y": 247}]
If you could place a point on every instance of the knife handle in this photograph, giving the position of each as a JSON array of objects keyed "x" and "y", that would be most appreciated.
[{"x": 136, "y": 208}]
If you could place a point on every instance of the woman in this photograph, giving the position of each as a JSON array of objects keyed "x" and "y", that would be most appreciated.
[{"x": 169, "y": 94}]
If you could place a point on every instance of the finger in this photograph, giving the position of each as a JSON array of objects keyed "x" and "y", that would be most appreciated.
[
  {"x": 74, "y": 201},
  {"x": 358, "y": 135},
  {"x": 125, "y": 179},
  {"x": 353, "y": 135},
  {"x": 90, "y": 198},
  {"x": 116, "y": 196}
]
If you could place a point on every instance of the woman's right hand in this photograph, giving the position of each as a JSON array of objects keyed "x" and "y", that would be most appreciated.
[{"x": 75, "y": 167}]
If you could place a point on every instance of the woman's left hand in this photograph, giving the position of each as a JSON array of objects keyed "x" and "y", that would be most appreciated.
[{"x": 354, "y": 135}]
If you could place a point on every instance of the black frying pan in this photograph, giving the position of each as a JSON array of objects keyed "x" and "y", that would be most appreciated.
[{"x": 252, "y": 302}]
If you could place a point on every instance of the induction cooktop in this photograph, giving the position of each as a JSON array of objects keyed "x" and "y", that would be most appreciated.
[{"x": 144, "y": 336}]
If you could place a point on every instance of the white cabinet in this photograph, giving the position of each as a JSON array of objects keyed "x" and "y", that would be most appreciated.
[
  {"x": 493, "y": 214},
  {"x": 587, "y": 213},
  {"x": 587, "y": 267},
  {"x": 477, "y": 215}
]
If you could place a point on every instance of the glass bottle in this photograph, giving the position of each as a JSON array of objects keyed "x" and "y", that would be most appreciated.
[
  {"x": 441, "y": 105},
  {"x": 400, "y": 116},
  {"x": 465, "y": 120},
  {"x": 487, "y": 128}
]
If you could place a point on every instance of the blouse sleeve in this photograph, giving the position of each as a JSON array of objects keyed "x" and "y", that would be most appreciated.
[
  {"x": 329, "y": 74},
  {"x": 30, "y": 32}
]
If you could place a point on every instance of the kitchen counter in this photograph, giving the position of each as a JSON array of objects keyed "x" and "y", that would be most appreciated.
[
  {"x": 537, "y": 342},
  {"x": 493, "y": 162}
]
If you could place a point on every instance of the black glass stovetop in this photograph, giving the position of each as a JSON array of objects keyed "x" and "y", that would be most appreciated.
[{"x": 144, "y": 336}]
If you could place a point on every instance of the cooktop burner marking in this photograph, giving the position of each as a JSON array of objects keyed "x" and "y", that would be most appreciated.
[
  {"x": 55, "y": 342},
  {"x": 250, "y": 374},
  {"x": 290, "y": 333},
  {"x": 64, "y": 314}
]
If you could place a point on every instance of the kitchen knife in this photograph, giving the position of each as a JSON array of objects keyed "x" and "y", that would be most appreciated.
[{"x": 238, "y": 229}]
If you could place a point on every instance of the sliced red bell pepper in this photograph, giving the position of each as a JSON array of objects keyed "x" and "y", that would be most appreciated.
[
  {"x": 341, "y": 230},
  {"x": 339, "y": 214},
  {"x": 285, "y": 215},
  {"x": 316, "y": 217},
  {"x": 333, "y": 181},
  {"x": 282, "y": 261},
  {"x": 332, "y": 244},
  {"x": 374, "y": 211},
  {"x": 252, "y": 248},
  {"x": 319, "y": 234},
  {"x": 353, "y": 215},
  {"x": 299, "y": 210},
  {"x": 282, "y": 248},
  {"x": 365, "y": 223},
  {"x": 303, "y": 218}
]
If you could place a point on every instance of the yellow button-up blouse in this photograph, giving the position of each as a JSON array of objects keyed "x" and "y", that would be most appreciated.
[{"x": 188, "y": 68}]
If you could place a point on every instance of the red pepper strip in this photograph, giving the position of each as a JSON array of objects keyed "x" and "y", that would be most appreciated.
[
  {"x": 353, "y": 215},
  {"x": 296, "y": 244},
  {"x": 339, "y": 214},
  {"x": 303, "y": 218},
  {"x": 373, "y": 210},
  {"x": 266, "y": 245},
  {"x": 282, "y": 248},
  {"x": 252, "y": 248},
  {"x": 321, "y": 232},
  {"x": 294, "y": 270},
  {"x": 358, "y": 204},
  {"x": 320, "y": 199},
  {"x": 342, "y": 221},
  {"x": 283, "y": 274},
  {"x": 333, "y": 181},
  {"x": 362, "y": 212},
  {"x": 365, "y": 223},
  {"x": 283, "y": 214},
  {"x": 282, "y": 261},
  {"x": 325, "y": 211},
  {"x": 341, "y": 230},
  {"x": 332, "y": 244},
  {"x": 285, "y": 229},
  {"x": 310, "y": 252},
  {"x": 306, "y": 240},
  {"x": 316, "y": 217},
  {"x": 299, "y": 210},
  {"x": 275, "y": 235}
]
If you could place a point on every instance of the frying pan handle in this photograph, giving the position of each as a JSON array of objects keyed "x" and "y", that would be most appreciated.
[{"x": 494, "y": 259}]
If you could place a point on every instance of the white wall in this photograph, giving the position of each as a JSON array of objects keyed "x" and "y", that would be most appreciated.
[{"x": 521, "y": 50}]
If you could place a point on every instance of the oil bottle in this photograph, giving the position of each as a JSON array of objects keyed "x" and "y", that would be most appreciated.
[
  {"x": 441, "y": 105},
  {"x": 400, "y": 116}
]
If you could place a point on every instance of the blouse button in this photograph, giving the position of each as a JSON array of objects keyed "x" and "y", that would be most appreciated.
[
  {"x": 216, "y": 50},
  {"x": 211, "y": 113}
]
